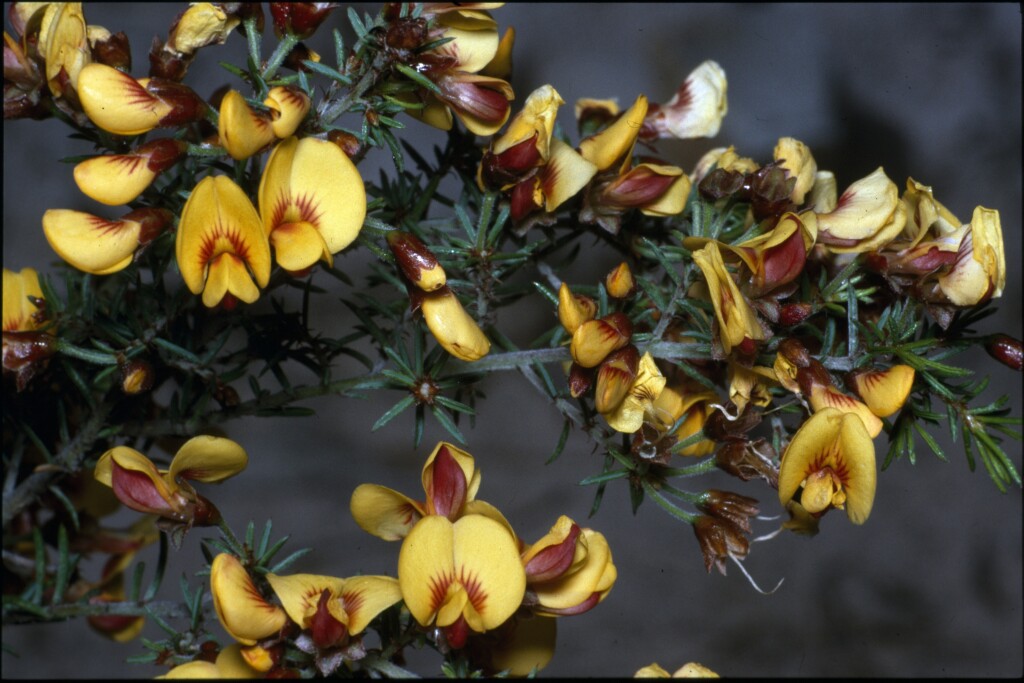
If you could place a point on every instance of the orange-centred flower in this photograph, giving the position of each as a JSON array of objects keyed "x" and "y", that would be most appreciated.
[
  {"x": 330, "y": 608},
  {"x": 461, "y": 575},
  {"x": 830, "y": 462},
  {"x": 312, "y": 201},
  {"x": 221, "y": 247}
]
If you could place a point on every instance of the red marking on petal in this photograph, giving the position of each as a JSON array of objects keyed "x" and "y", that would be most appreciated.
[
  {"x": 104, "y": 226},
  {"x": 448, "y": 485}
]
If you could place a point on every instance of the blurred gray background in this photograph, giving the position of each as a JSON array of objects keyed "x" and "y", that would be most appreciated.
[{"x": 930, "y": 586}]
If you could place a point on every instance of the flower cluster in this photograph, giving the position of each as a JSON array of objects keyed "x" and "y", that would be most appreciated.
[{"x": 463, "y": 569}]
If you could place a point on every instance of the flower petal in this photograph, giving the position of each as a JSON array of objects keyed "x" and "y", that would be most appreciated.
[
  {"x": 565, "y": 174},
  {"x": 696, "y": 109},
  {"x": 300, "y": 593},
  {"x": 384, "y": 513},
  {"x": 18, "y": 309},
  {"x": 114, "y": 179},
  {"x": 242, "y": 611},
  {"x": 364, "y": 597},
  {"x": 596, "y": 574},
  {"x": 136, "y": 481},
  {"x": 614, "y": 145},
  {"x": 291, "y": 105},
  {"x": 90, "y": 243},
  {"x": 118, "y": 103},
  {"x": 885, "y": 391},
  {"x": 979, "y": 271},
  {"x": 242, "y": 131},
  {"x": 867, "y": 216},
  {"x": 208, "y": 459}
]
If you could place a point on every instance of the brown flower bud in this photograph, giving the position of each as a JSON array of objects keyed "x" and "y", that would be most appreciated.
[
  {"x": 1006, "y": 350},
  {"x": 417, "y": 262},
  {"x": 749, "y": 460},
  {"x": 300, "y": 19},
  {"x": 113, "y": 50},
  {"x": 719, "y": 539},
  {"x": 300, "y": 54},
  {"x": 186, "y": 105},
  {"x": 730, "y": 506},
  {"x": 720, "y": 183},
  {"x": 349, "y": 143},
  {"x": 795, "y": 352},
  {"x": 619, "y": 282},
  {"x": 794, "y": 314},
  {"x": 580, "y": 380}
]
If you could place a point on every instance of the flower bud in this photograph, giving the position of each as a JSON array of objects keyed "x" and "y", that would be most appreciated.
[
  {"x": 300, "y": 19},
  {"x": 794, "y": 313},
  {"x": 417, "y": 262},
  {"x": 574, "y": 309},
  {"x": 349, "y": 143},
  {"x": 595, "y": 339},
  {"x": 136, "y": 376},
  {"x": 619, "y": 282},
  {"x": 1006, "y": 350},
  {"x": 453, "y": 328},
  {"x": 111, "y": 49},
  {"x": 580, "y": 380},
  {"x": 300, "y": 54},
  {"x": 615, "y": 377}
]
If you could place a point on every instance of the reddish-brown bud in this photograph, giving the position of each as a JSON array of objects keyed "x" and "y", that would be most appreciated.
[
  {"x": 417, "y": 262},
  {"x": 114, "y": 50},
  {"x": 300, "y": 19},
  {"x": 794, "y": 314},
  {"x": 595, "y": 339},
  {"x": 580, "y": 380},
  {"x": 300, "y": 54},
  {"x": 498, "y": 171},
  {"x": 795, "y": 352},
  {"x": 1006, "y": 350},
  {"x": 405, "y": 34},
  {"x": 186, "y": 105},
  {"x": 349, "y": 143}
]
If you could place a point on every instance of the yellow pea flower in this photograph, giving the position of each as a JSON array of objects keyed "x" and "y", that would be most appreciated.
[
  {"x": 574, "y": 309},
  {"x": 979, "y": 271},
  {"x": 115, "y": 179},
  {"x": 241, "y": 609},
  {"x": 525, "y": 144},
  {"x": 695, "y": 110},
  {"x": 830, "y": 462},
  {"x": 202, "y": 24},
  {"x": 20, "y": 314},
  {"x": 231, "y": 662},
  {"x": 737, "y": 323},
  {"x": 139, "y": 485},
  {"x": 100, "y": 246},
  {"x": 461, "y": 576},
  {"x": 221, "y": 247},
  {"x": 332, "y": 609},
  {"x": 64, "y": 45},
  {"x": 691, "y": 404},
  {"x": 119, "y": 104},
  {"x": 638, "y": 403},
  {"x": 312, "y": 201},
  {"x": 867, "y": 216},
  {"x": 688, "y": 670},
  {"x": 450, "y": 481},
  {"x": 568, "y": 571}
]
